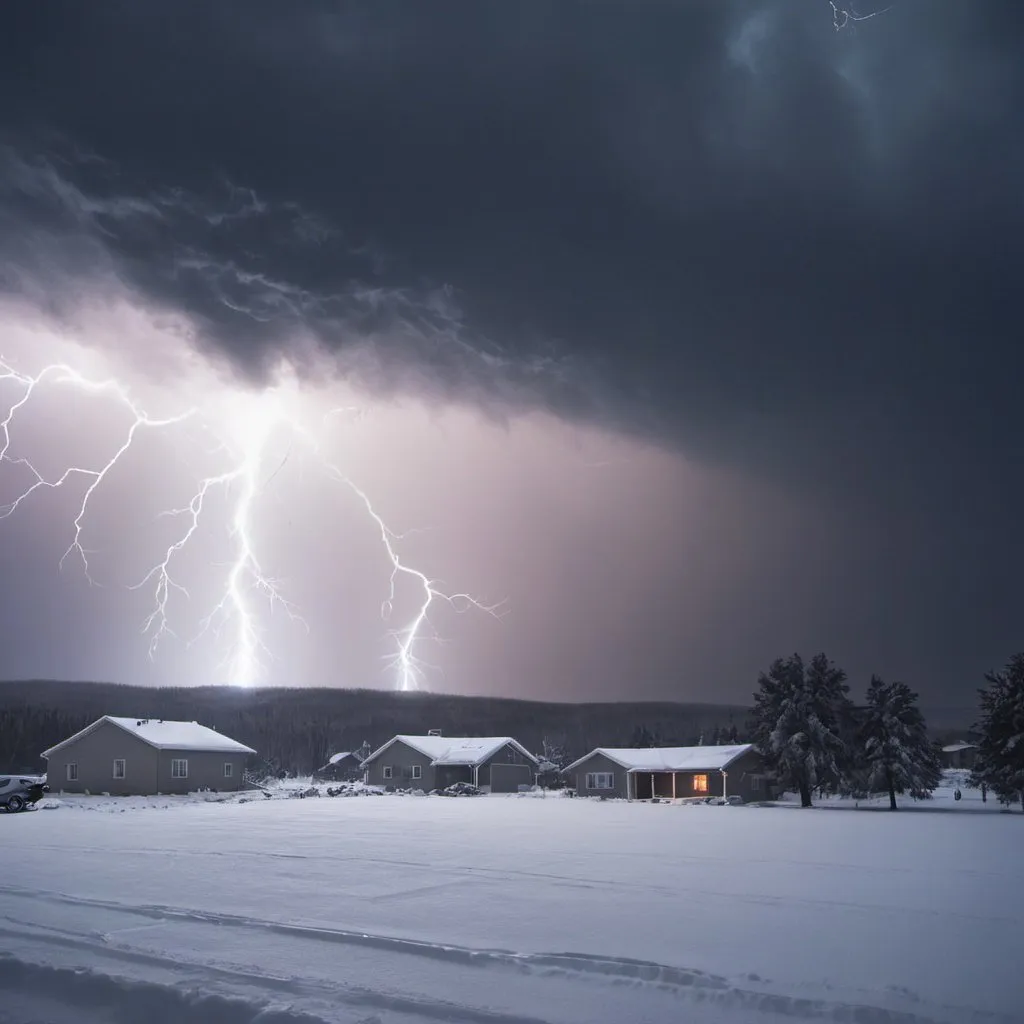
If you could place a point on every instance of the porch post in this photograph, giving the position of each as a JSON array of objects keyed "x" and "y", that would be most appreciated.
[
  {"x": 725, "y": 782},
  {"x": 673, "y": 785}
]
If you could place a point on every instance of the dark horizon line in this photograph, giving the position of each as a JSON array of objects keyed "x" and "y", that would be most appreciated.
[{"x": 420, "y": 694}]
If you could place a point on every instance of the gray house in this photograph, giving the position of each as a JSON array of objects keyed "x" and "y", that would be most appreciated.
[
  {"x": 145, "y": 756},
  {"x": 670, "y": 773},
  {"x": 495, "y": 763}
]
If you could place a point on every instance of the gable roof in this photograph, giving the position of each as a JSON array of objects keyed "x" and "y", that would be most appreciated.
[
  {"x": 335, "y": 758},
  {"x": 454, "y": 750},
  {"x": 164, "y": 735},
  {"x": 954, "y": 747},
  {"x": 670, "y": 759}
]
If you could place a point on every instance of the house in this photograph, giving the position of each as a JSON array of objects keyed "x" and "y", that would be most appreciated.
[
  {"x": 640, "y": 773},
  {"x": 145, "y": 756},
  {"x": 343, "y": 767},
  {"x": 959, "y": 755},
  {"x": 495, "y": 763}
]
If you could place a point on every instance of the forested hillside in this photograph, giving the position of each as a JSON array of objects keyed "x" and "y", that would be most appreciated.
[{"x": 297, "y": 730}]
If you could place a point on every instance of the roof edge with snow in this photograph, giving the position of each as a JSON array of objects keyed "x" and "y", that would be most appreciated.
[
  {"x": 620, "y": 756},
  {"x": 410, "y": 741},
  {"x": 237, "y": 747}
]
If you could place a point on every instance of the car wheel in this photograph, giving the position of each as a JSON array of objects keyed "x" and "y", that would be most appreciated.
[{"x": 16, "y": 803}]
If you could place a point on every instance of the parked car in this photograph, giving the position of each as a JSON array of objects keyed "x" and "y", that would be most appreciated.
[{"x": 19, "y": 791}]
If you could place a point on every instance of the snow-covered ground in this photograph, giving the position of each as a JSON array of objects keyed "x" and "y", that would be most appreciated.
[{"x": 494, "y": 910}]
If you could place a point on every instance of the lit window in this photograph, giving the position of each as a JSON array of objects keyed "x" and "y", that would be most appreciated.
[
  {"x": 179, "y": 768},
  {"x": 700, "y": 783},
  {"x": 119, "y": 768}
]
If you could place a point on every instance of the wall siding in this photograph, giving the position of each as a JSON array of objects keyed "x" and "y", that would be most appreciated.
[
  {"x": 599, "y": 763},
  {"x": 401, "y": 757}
]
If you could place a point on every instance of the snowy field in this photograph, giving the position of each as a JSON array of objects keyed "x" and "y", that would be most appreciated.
[{"x": 494, "y": 910}]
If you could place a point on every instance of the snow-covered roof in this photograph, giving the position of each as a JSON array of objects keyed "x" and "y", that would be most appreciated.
[
  {"x": 954, "y": 747},
  {"x": 669, "y": 759},
  {"x": 335, "y": 758},
  {"x": 165, "y": 735},
  {"x": 453, "y": 750}
]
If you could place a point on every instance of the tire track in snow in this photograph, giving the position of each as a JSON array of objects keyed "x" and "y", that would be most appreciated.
[{"x": 696, "y": 986}]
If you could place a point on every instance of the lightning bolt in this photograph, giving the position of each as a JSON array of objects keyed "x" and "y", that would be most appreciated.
[
  {"x": 842, "y": 16},
  {"x": 252, "y": 419}
]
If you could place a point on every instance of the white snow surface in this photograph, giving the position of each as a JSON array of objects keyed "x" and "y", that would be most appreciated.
[
  {"x": 670, "y": 759},
  {"x": 335, "y": 758},
  {"x": 505, "y": 910},
  {"x": 168, "y": 735}
]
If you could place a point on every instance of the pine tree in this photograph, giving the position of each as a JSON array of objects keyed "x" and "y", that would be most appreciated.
[
  {"x": 643, "y": 737},
  {"x": 1000, "y": 759},
  {"x": 797, "y": 718},
  {"x": 898, "y": 756}
]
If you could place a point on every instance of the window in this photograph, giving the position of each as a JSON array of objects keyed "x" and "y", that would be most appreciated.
[
  {"x": 179, "y": 768},
  {"x": 600, "y": 780},
  {"x": 700, "y": 783},
  {"x": 387, "y": 771},
  {"x": 755, "y": 783},
  {"x": 417, "y": 771},
  {"x": 119, "y": 768},
  {"x": 71, "y": 772},
  {"x": 229, "y": 769}
]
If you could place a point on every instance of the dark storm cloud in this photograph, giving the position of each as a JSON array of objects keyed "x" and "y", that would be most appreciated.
[
  {"x": 789, "y": 244},
  {"x": 723, "y": 224}
]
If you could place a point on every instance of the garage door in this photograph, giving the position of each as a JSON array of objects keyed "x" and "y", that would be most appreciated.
[{"x": 507, "y": 778}]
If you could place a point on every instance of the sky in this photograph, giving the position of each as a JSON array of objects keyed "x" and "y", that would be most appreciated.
[{"x": 680, "y": 336}]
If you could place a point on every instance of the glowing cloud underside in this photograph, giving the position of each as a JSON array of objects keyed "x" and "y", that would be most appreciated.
[{"x": 243, "y": 426}]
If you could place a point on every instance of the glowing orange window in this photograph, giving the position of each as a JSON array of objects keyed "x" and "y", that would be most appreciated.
[{"x": 700, "y": 783}]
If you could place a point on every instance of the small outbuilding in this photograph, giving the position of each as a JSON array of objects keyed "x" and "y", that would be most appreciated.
[
  {"x": 144, "y": 757},
  {"x": 959, "y": 755},
  {"x": 497, "y": 764},
  {"x": 342, "y": 767},
  {"x": 670, "y": 773}
]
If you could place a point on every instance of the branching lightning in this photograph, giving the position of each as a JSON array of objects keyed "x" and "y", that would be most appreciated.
[
  {"x": 842, "y": 16},
  {"x": 249, "y": 423}
]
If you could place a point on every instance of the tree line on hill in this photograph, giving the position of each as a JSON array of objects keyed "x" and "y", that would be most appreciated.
[{"x": 815, "y": 739}]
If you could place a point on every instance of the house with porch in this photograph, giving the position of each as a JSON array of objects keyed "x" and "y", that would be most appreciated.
[
  {"x": 498, "y": 764},
  {"x": 670, "y": 773}
]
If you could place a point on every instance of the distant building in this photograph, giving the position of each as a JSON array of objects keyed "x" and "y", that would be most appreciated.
[
  {"x": 343, "y": 767},
  {"x": 498, "y": 764},
  {"x": 145, "y": 756},
  {"x": 959, "y": 755},
  {"x": 671, "y": 773}
]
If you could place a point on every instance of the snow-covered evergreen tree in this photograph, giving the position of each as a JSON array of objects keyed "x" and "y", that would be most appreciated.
[
  {"x": 797, "y": 719},
  {"x": 1000, "y": 759},
  {"x": 897, "y": 755}
]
